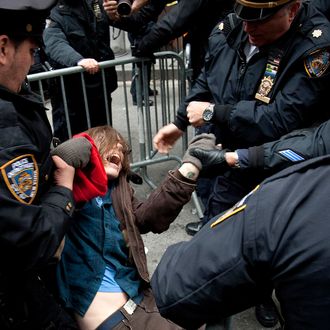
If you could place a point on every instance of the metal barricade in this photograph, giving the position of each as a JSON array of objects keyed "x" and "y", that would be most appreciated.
[{"x": 138, "y": 124}]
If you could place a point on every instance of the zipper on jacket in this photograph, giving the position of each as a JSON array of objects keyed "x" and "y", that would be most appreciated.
[{"x": 242, "y": 70}]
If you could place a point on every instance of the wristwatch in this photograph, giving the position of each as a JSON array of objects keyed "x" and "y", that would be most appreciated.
[{"x": 208, "y": 113}]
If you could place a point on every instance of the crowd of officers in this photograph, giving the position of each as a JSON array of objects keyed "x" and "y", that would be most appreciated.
[{"x": 261, "y": 92}]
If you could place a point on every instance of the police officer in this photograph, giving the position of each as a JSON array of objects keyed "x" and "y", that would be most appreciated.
[
  {"x": 262, "y": 78},
  {"x": 250, "y": 74},
  {"x": 248, "y": 88},
  {"x": 35, "y": 208},
  {"x": 78, "y": 34},
  {"x": 277, "y": 237}
]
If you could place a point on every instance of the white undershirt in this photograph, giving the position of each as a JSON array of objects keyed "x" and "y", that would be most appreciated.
[{"x": 250, "y": 50}]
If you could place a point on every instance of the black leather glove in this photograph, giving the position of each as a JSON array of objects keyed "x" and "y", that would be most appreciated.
[
  {"x": 203, "y": 141},
  {"x": 210, "y": 158},
  {"x": 75, "y": 152},
  {"x": 134, "y": 177}
]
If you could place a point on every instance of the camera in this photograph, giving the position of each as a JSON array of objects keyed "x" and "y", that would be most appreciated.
[{"x": 124, "y": 7}]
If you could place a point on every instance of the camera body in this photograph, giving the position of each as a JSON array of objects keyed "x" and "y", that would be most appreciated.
[{"x": 124, "y": 7}]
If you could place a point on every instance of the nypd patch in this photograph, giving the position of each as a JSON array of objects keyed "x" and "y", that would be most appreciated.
[
  {"x": 21, "y": 176},
  {"x": 317, "y": 63}
]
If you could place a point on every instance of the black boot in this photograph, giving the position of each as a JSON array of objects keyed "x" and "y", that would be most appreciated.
[
  {"x": 266, "y": 313},
  {"x": 193, "y": 227}
]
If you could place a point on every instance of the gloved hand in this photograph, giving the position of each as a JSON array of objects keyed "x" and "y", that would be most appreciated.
[
  {"x": 203, "y": 141},
  {"x": 75, "y": 152},
  {"x": 138, "y": 52},
  {"x": 134, "y": 177},
  {"x": 210, "y": 158}
]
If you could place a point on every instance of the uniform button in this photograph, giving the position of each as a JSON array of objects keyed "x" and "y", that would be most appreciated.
[{"x": 46, "y": 177}]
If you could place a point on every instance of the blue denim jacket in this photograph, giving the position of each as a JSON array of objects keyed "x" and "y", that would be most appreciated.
[{"x": 93, "y": 241}]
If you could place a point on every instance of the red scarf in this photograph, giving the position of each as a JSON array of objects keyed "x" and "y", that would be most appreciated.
[{"x": 90, "y": 181}]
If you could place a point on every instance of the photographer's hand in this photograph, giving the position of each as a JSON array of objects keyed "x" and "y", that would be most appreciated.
[
  {"x": 110, "y": 7},
  {"x": 138, "y": 4}
]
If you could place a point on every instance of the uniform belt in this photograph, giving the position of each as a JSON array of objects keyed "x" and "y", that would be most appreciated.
[{"x": 118, "y": 316}]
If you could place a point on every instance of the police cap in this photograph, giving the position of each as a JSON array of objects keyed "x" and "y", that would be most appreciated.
[
  {"x": 24, "y": 18},
  {"x": 256, "y": 10}
]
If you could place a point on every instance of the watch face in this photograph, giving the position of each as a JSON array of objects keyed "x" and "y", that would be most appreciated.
[{"x": 207, "y": 114}]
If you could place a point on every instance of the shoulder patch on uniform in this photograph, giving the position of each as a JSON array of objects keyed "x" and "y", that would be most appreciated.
[
  {"x": 291, "y": 155},
  {"x": 317, "y": 62},
  {"x": 21, "y": 176},
  {"x": 238, "y": 207}
]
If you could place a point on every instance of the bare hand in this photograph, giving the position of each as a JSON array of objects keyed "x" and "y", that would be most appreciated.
[
  {"x": 195, "y": 111},
  {"x": 110, "y": 7},
  {"x": 166, "y": 138},
  {"x": 138, "y": 4},
  {"x": 90, "y": 65},
  {"x": 64, "y": 173}
]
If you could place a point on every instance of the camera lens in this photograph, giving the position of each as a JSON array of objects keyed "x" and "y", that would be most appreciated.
[{"x": 124, "y": 7}]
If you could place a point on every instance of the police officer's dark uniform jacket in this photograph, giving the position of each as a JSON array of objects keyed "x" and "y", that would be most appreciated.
[
  {"x": 34, "y": 214},
  {"x": 75, "y": 32},
  {"x": 323, "y": 6},
  {"x": 292, "y": 148},
  {"x": 296, "y": 92},
  {"x": 31, "y": 207},
  {"x": 276, "y": 238}
]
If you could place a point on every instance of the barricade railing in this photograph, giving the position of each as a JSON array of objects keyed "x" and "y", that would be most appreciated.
[{"x": 138, "y": 124}]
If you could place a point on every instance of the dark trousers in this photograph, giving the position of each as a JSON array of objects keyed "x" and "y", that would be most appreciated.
[
  {"x": 228, "y": 188},
  {"x": 143, "y": 82}
]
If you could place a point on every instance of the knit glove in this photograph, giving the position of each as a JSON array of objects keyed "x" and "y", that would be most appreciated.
[
  {"x": 203, "y": 141},
  {"x": 210, "y": 158},
  {"x": 75, "y": 152}
]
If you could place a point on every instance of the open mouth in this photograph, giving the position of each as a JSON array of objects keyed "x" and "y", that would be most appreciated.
[{"x": 114, "y": 159}]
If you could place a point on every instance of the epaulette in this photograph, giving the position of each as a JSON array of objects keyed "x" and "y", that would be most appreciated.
[
  {"x": 226, "y": 25},
  {"x": 63, "y": 8}
]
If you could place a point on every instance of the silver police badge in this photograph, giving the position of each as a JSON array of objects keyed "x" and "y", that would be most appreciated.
[{"x": 21, "y": 176}]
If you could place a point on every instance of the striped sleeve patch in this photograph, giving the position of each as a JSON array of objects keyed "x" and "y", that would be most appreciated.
[{"x": 291, "y": 155}]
